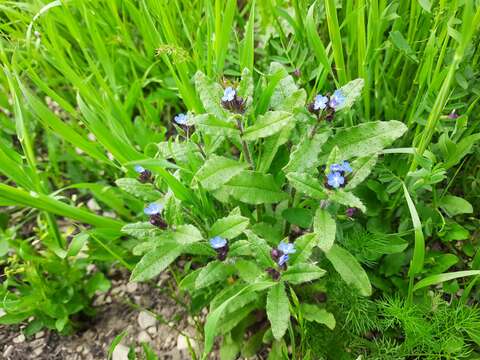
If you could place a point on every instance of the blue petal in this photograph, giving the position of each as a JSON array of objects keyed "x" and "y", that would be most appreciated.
[
  {"x": 229, "y": 94},
  {"x": 153, "y": 209},
  {"x": 139, "y": 169},
  {"x": 218, "y": 242},
  {"x": 346, "y": 167},
  {"x": 337, "y": 99},
  {"x": 336, "y": 168},
  {"x": 286, "y": 248},
  {"x": 283, "y": 259},
  {"x": 181, "y": 119},
  {"x": 320, "y": 102},
  {"x": 335, "y": 180}
]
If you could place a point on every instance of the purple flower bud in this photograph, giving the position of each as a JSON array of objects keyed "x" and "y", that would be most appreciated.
[{"x": 351, "y": 211}]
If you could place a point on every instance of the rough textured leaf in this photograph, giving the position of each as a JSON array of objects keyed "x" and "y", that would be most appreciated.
[
  {"x": 155, "y": 261},
  {"x": 260, "y": 248},
  {"x": 229, "y": 227},
  {"x": 210, "y": 94},
  {"x": 271, "y": 145},
  {"x": 364, "y": 139},
  {"x": 325, "y": 229},
  {"x": 132, "y": 186},
  {"x": 298, "y": 216},
  {"x": 352, "y": 91},
  {"x": 278, "y": 310},
  {"x": 247, "y": 270},
  {"x": 267, "y": 125},
  {"x": 300, "y": 273},
  {"x": 349, "y": 269},
  {"x": 217, "y": 171},
  {"x": 361, "y": 169},
  {"x": 215, "y": 271},
  {"x": 141, "y": 230},
  {"x": 303, "y": 246},
  {"x": 186, "y": 234},
  {"x": 209, "y": 124},
  {"x": 305, "y": 155},
  {"x": 255, "y": 188},
  {"x": 348, "y": 199},
  {"x": 307, "y": 184},
  {"x": 314, "y": 313}
]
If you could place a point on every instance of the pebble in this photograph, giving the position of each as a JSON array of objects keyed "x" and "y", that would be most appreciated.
[
  {"x": 182, "y": 343},
  {"x": 8, "y": 351},
  {"x": 146, "y": 320},
  {"x": 40, "y": 334},
  {"x": 19, "y": 339},
  {"x": 143, "y": 337},
  {"x": 152, "y": 330},
  {"x": 132, "y": 287},
  {"x": 120, "y": 352}
]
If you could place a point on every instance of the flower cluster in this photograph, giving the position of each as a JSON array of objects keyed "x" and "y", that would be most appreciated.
[
  {"x": 336, "y": 177},
  {"x": 327, "y": 103},
  {"x": 181, "y": 119},
  {"x": 232, "y": 102},
  {"x": 220, "y": 245},
  {"x": 281, "y": 255},
  {"x": 154, "y": 211},
  {"x": 144, "y": 175}
]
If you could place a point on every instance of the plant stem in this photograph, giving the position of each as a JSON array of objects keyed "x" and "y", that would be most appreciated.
[{"x": 245, "y": 149}]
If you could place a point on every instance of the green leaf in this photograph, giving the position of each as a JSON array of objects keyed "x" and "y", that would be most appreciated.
[
  {"x": 215, "y": 271},
  {"x": 454, "y": 205},
  {"x": 278, "y": 310},
  {"x": 347, "y": 198},
  {"x": 325, "y": 229},
  {"x": 286, "y": 95},
  {"x": 352, "y": 91},
  {"x": 186, "y": 234},
  {"x": 229, "y": 227},
  {"x": 248, "y": 271},
  {"x": 303, "y": 246},
  {"x": 141, "y": 230},
  {"x": 426, "y": 5},
  {"x": 255, "y": 188},
  {"x": 97, "y": 282},
  {"x": 213, "y": 318},
  {"x": 317, "y": 314},
  {"x": 402, "y": 44},
  {"x": 116, "y": 341},
  {"x": 271, "y": 145},
  {"x": 155, "y": 261},
  {"x": 217, "y": 171},
  {"x": 416, "y": 264},
  {"x": 298, "y": 216},
  {"x": 78, "y": 242},
  {"x": 245, "y": 88},
  {"x": 260, "y": 248},
  {"x": 209, "y": 124},
  {"x": 304, "y": 156},
  {"x": 135, "y": 188},
  {"x": 267, "y": 125},
  {"x": 308, "y": 185},
  {"x": 361, "y": 169},
  {"x": 210, "y": 94},
  {"x": 303, "y": 272},
  {"x": 364, "y": 139},
  {"x": 349, "y": 269},
  {"x": 440, "y": 278}
]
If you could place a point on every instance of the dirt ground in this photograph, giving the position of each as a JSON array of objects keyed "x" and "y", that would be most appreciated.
[{"x": 122, "y": 308}]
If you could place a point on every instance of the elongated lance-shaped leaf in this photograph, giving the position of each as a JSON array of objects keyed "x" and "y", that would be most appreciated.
[
  {"x": 278, "y": 310},
  {"x": 347, "y": 198},
  {"x": 155, "y": 261},
  {"x": 361, "y": 169},
  {"x": 304, "y": 157},
  {"x": 49, "y": 204},
  {"x": 229, "y": 227},
  {"x": 440, "y": 278},
  {"x": 217, "y": 171},
  {"x": 416, "y": 264},
  {"x": 267, "y": 125},
  {"x": 325, "y": 229},
  {"x": 307, "y": 184}
]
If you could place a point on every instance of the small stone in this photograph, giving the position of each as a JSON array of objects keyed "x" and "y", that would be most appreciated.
[
  {"x": 8, "y": 351},
  {"x": 182, "y": 343},
  {"x": 152, "y": 330},
  {"x": 132, "y": 287},
  {"x": 120, "y": 352},
  {"x": 38, "y": 351},
  {"x": 108, "y": 299},
  {"x": 19, "y": 339},
  {"x": 40, "y": 334},
  {"x": 146, "y": 320},
  {"x": 79, "y": 348},
  {"x": 143, "y": 337}
]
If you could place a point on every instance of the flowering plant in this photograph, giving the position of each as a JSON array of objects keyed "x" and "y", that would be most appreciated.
[{"x": 252, "y": 194}]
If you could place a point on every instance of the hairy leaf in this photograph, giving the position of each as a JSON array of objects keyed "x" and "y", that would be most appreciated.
[{"x": 278, "y": 310}]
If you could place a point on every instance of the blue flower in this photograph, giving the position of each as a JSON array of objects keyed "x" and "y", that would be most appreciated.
[
  {"x": 335, "y": 179},
  {"x": 153, "y": 209},
  {"x": 286, "y": 248},
  {"x": 336, "y": 168},
  {"x": 218, "y": 242},
  {"x": 346, "y": 166},
  {"x": 320, "y": 102},
  {"x": 139, "y": 169},
  {"x": 229, "y": 94},
  {"x": 283, "y": 259},
  {"x": 181, "y": 119},
  {"x": 337, "y": 99}
]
